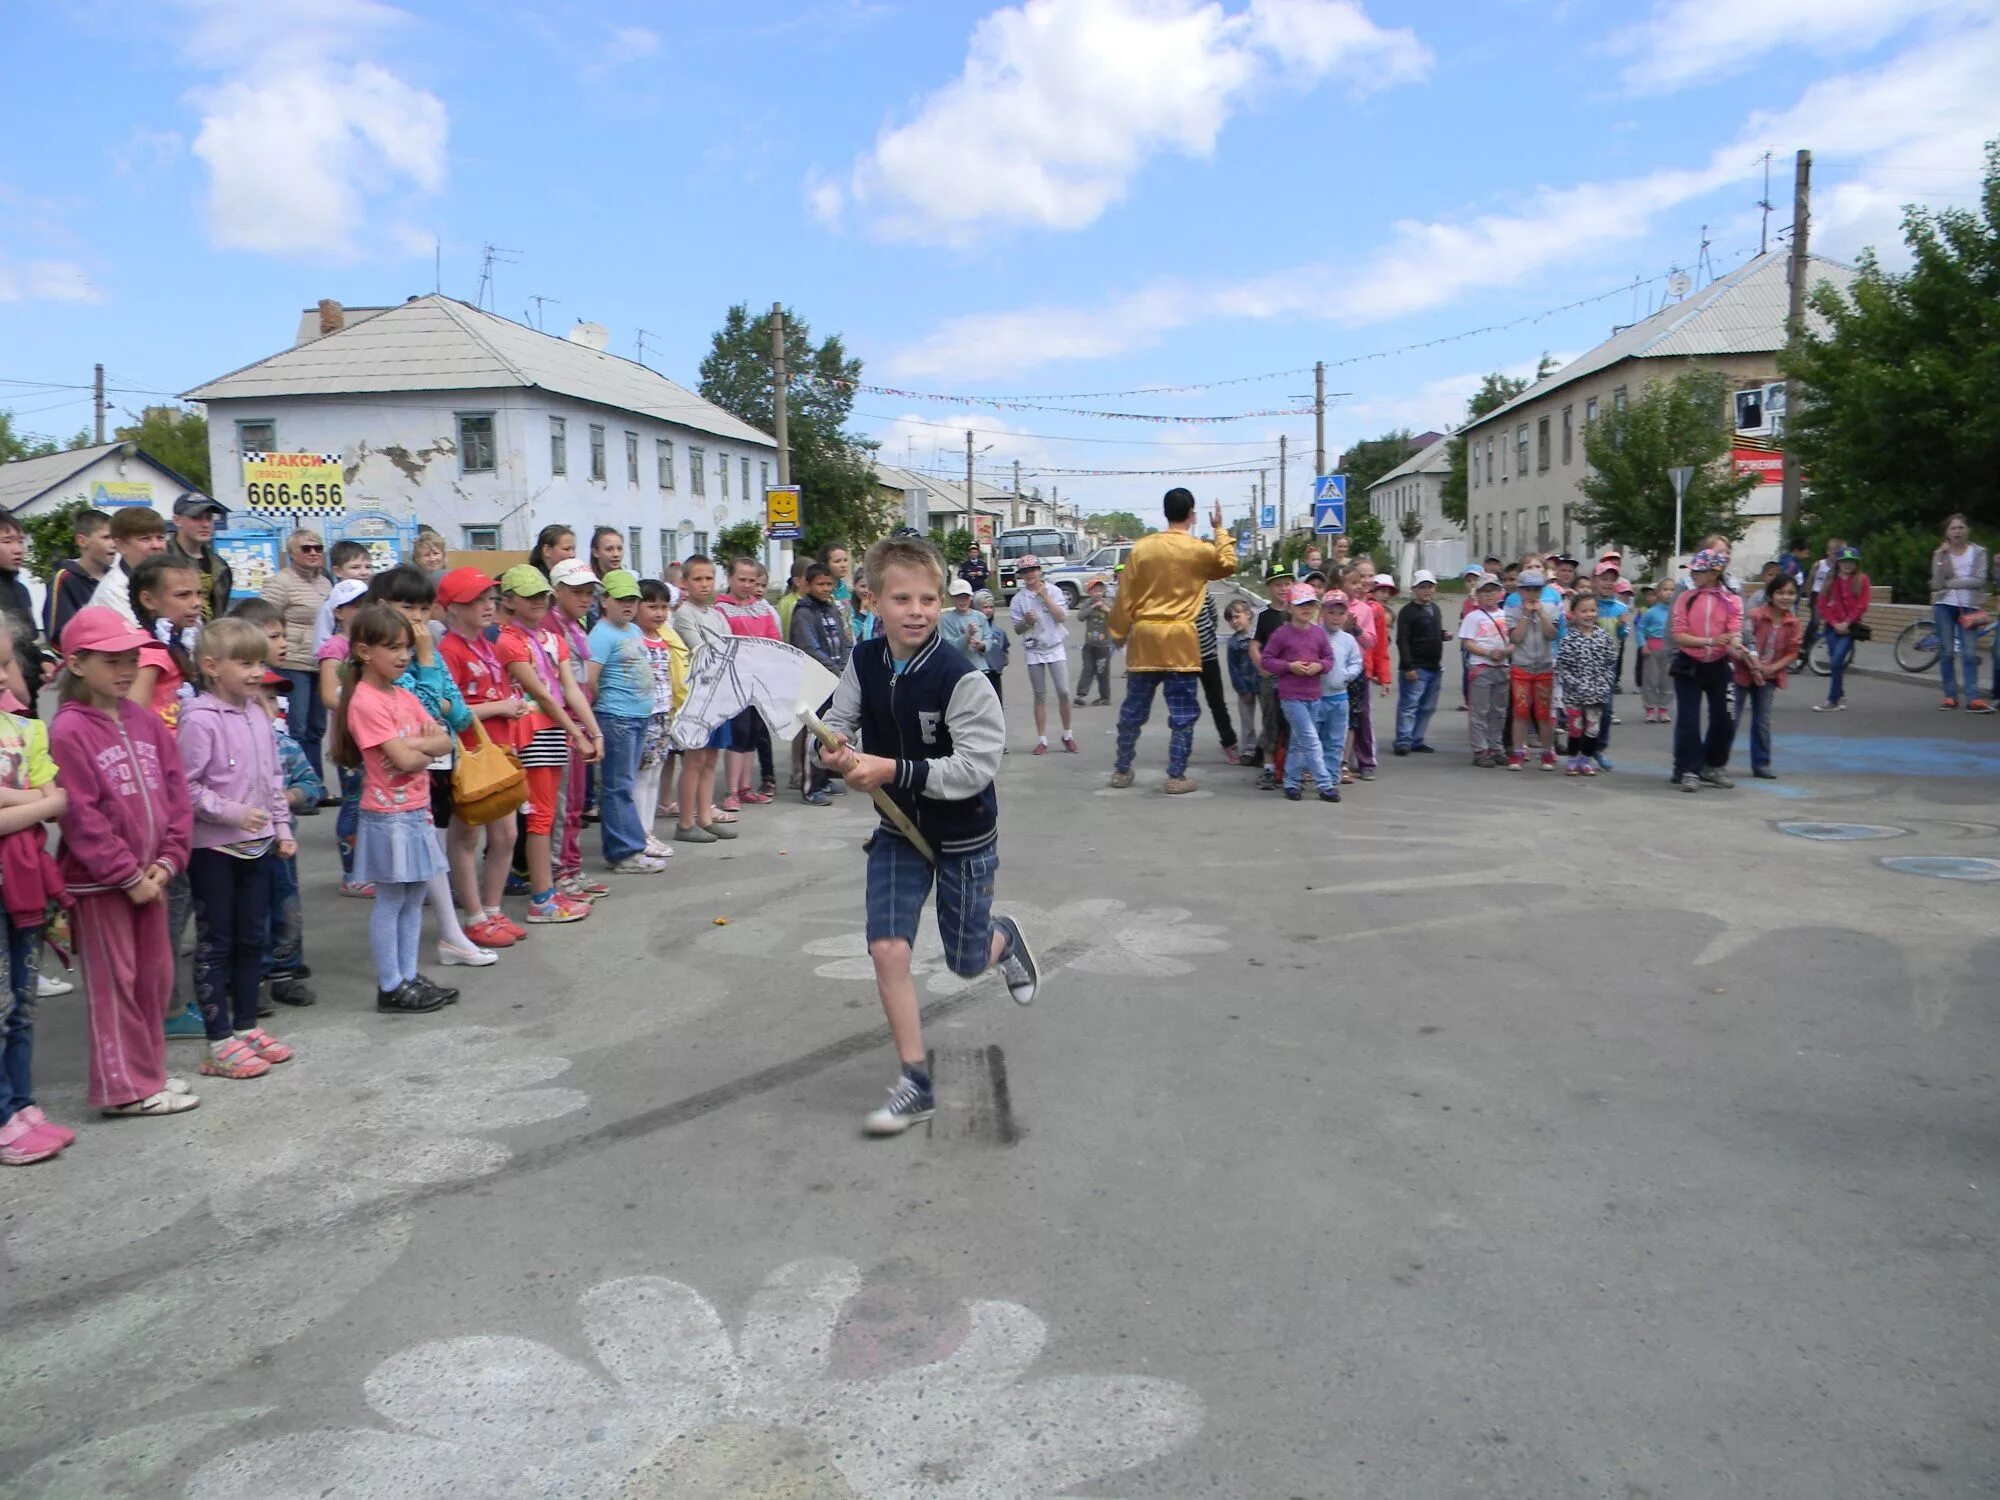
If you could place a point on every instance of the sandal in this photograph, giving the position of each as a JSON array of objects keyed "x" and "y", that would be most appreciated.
[
  {"x": 753, "y": 797},
  {"x": 162, "y": 1103},
  {"x": 730, "y": 804},
  {"x": 718, "y": 815},
  {"x": 1346, "y": 777}
]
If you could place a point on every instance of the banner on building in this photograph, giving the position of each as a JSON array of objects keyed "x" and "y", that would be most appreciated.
[
  {"x": 300, "y": 484},
  {"x": 1769, "y": 467},
  {"x": 109, "y": 494}
]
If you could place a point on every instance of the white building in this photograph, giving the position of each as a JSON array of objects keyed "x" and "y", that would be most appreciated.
[
  {"x": 106, "y": 476},
  {"x": 1416, "y": 487},
  {"x": 486, "y": 430}
]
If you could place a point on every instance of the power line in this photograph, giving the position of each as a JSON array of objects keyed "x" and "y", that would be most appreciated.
[{"x": 1054, "y": 437}]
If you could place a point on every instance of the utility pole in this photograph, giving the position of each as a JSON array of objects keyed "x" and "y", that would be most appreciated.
[
  {"x": 1319, "y": 421},
  {"x": 780, "y": 385},
  {"x": 1282, "y": 462},
  {"x": 1014, "y": 505},
  {"x": 1795, "y": 322},
  {"x": 971, "y": 526},
  {"x": 97, "y": 388}
]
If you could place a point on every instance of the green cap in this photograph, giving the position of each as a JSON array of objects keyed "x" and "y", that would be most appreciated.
[
  {"x": 525, "y": 579},
  {"x": 620, "y": 583}
]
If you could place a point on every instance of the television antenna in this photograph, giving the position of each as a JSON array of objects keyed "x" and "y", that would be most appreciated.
[
  {"x": 639, "y": 346},
  {"x": 537, "y": 319},
  {"x": 1764, "y": 230},
  {"x": 490, "y": 256}
]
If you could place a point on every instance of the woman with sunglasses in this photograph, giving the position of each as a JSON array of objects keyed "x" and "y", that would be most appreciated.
[{"x": 297, "y": 591}]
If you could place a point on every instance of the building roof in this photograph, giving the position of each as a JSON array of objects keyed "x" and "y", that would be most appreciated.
[
  {"x": 943, "y": 494},
  {"x": 1741, "y": 313},
  {"x": 26, "y": 480},
  {"x": 1432, "y": 459},
  {"x": 438, "y": 343}
]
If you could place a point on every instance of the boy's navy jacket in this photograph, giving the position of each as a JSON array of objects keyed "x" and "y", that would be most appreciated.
[
  {"x": 939, "y": 720},
  {"x": 1243, "y": 674}
]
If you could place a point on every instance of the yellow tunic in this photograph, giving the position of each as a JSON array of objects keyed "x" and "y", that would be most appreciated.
[{"x": 1159, "y": 595}]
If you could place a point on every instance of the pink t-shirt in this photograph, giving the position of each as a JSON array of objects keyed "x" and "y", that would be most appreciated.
[
  {"x": 333, "y": 648},
  {"x": 374, "y": 717}
]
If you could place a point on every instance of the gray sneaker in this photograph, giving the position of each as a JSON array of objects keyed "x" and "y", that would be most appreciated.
[
  {"x": 1017, "y": 964},
  {"x": 694, "y": 834},
  {"x": 1713, "y": 776},
  {"x": 1690, "y": 782}
]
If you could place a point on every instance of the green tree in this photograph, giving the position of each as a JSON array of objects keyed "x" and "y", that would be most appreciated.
[
  {"x": 1363, "y": 464},
  {"x": 1900, "y": 425},
  {"x": 832, "y": 467},
  {"x": 1123, "y": 523},
  {"x": 176, "y": 437},
  {"x": 1627, "y": 496},
  {"x": 744, "y": 539},
  {"x": 52, "y": 537},
  {"x": 1494, "y": 392},
  {"x": 15, "y": 446}
]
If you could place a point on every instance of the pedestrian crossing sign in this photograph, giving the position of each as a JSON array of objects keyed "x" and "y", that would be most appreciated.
[{"x": 1330, "y": 503}]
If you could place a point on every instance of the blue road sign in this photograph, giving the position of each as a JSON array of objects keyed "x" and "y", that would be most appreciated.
[
  {"x": 1330, "y": 503},
  {"x": 1270, "y": 518}
]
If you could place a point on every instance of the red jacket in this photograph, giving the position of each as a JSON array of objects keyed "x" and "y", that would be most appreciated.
[
  {"x": 29, "y": 879},
  {"x": 128, "y": 797},
  {"x": 1375, "y": 661},
  {"x": 1844, "y": 600}
]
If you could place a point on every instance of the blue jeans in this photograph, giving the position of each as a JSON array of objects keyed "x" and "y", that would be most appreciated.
[
  {"x": 347, "y": 822},
  {"x": 899, "y": 878},
  {"x": 1954, "y": 642},
  {"x": 1330, "y": 720},
  {"x": 286, "y": 931},
  {"x": 1839, "y": 652},
  {"x": 17, "y": 1030},
  {"x": 305, "y": 716},
  {"x": 1183, "y": 708},
  {"x": 1759, "y": 700},
  {"x": 1415, "y": 703},
  {"x": 1302, "y": 720},
  {"x": 617, "y": 813}
]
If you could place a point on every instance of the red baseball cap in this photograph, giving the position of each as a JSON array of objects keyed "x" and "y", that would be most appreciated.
[
  {"x": 464, "y": 586},
  {"x": 97, "y": 628}
]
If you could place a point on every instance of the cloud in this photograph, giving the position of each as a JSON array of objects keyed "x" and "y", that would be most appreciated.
[
  {"x": 631, "y": 43},
  {"x": 1686, "y": 42},
  {"x": 46, "y": 281},
  {"x": 1881, "y": 136},
  {"x": 305, "y": 131},
  {"x": 1061, "y": 102}
]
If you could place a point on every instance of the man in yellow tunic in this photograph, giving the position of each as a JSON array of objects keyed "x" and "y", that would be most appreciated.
[{"x": 1159, "y": 595}]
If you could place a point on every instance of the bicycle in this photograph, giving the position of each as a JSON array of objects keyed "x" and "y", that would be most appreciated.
[{"x": 1917, "y": 647}]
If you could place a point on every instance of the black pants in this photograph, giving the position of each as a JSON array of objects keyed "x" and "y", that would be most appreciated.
[
  {"x": 1218, "y": 700},
  {"x": 1693, "y": 751},
  {"x": 992, "y": 677},
  {"x": 232, "y": 905}
]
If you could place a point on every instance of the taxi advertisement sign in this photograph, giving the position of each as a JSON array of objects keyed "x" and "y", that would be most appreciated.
[
  {"x": 295, "y": 483},
  {"x": 781, "y": 513}
]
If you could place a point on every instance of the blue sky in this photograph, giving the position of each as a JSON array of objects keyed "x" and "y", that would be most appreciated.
[{"x": 1038, "y": 199}]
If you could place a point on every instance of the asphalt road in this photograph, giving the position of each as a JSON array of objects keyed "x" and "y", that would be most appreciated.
[{"x": 1490, "y": 1134}]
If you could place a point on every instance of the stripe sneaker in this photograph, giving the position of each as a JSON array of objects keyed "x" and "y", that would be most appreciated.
[
  {"x": 267, "y": 1046},
  {"x": 235, "y": 1058},
  {"x": 1017, "y": 963},
  {"x": 557, "y": 909}
]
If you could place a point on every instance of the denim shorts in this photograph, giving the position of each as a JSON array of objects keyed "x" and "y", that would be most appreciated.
[{"x": 899, "y": 878}]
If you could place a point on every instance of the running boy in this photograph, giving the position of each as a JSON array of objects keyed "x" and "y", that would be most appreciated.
[{"x": 905, "y": 690}]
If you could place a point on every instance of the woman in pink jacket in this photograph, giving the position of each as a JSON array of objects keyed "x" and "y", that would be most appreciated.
[{"x": 125, "y": 834}]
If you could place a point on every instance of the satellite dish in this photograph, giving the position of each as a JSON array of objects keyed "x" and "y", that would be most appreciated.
[
  {"x": 591, "y": 335},
  {"x": 1679, "y": 284}
]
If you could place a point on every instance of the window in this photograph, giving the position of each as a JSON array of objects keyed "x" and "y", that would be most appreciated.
[
  {"x": 475, "y": 442},
  {"x": 1521, "y": 448},
  {"x": 558, "y": 445},
  {"x": 1521, "y": 526},
  {"x": 1618, "y": 400},
  {"x": 722, "y": 475},
  {"x": 700, "y": 544},
  {"x": 1489, "y": 460},
  {"x": 1542, "y": 458},
  {"x": 1472, "y": 468},
  {"x": 668, "y": 551},
  {"x": 746, "y": 480},
  {"x": 631, "y": 458},
  {"x": 1566, "y": 436},
  {"x": 1542, "y": 537},
  {"x": 635, "y": 550},
  {"x": 256, "y": 437},
  {"x": 596, "y": 452},
  {"x": 763, "y": 476},
  {"x": 1504, "y": 553},
  {"x": 663, "y": 460},
  {"x": 1589, "y": 413},
  {"x": 481, "y": 538},
  {"x": 697, "y": 481}
]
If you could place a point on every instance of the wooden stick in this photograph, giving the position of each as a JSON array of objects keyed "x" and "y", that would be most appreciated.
[{"x": 829, "y": 740}]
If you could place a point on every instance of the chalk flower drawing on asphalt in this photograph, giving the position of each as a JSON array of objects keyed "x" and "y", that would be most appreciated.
[
  {"x": 1098, "y": 936},
  {"x": 687, "y": 1413},
  {"x": 350, "y": 1120}
]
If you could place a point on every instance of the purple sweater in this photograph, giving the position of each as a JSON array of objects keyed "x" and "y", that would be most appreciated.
[
  {"x": 1293, "y": 643},
  {"x": 231, "y": 759}
]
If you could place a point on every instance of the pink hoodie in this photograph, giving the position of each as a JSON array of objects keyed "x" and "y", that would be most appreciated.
[
  {"x": 128, "y": 799},
  {"x": 230, "y": 756}
]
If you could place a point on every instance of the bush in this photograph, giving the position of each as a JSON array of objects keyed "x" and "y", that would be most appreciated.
[
  {"x": 745, "y": 539},
  {"x": 52, "y": 537}
]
